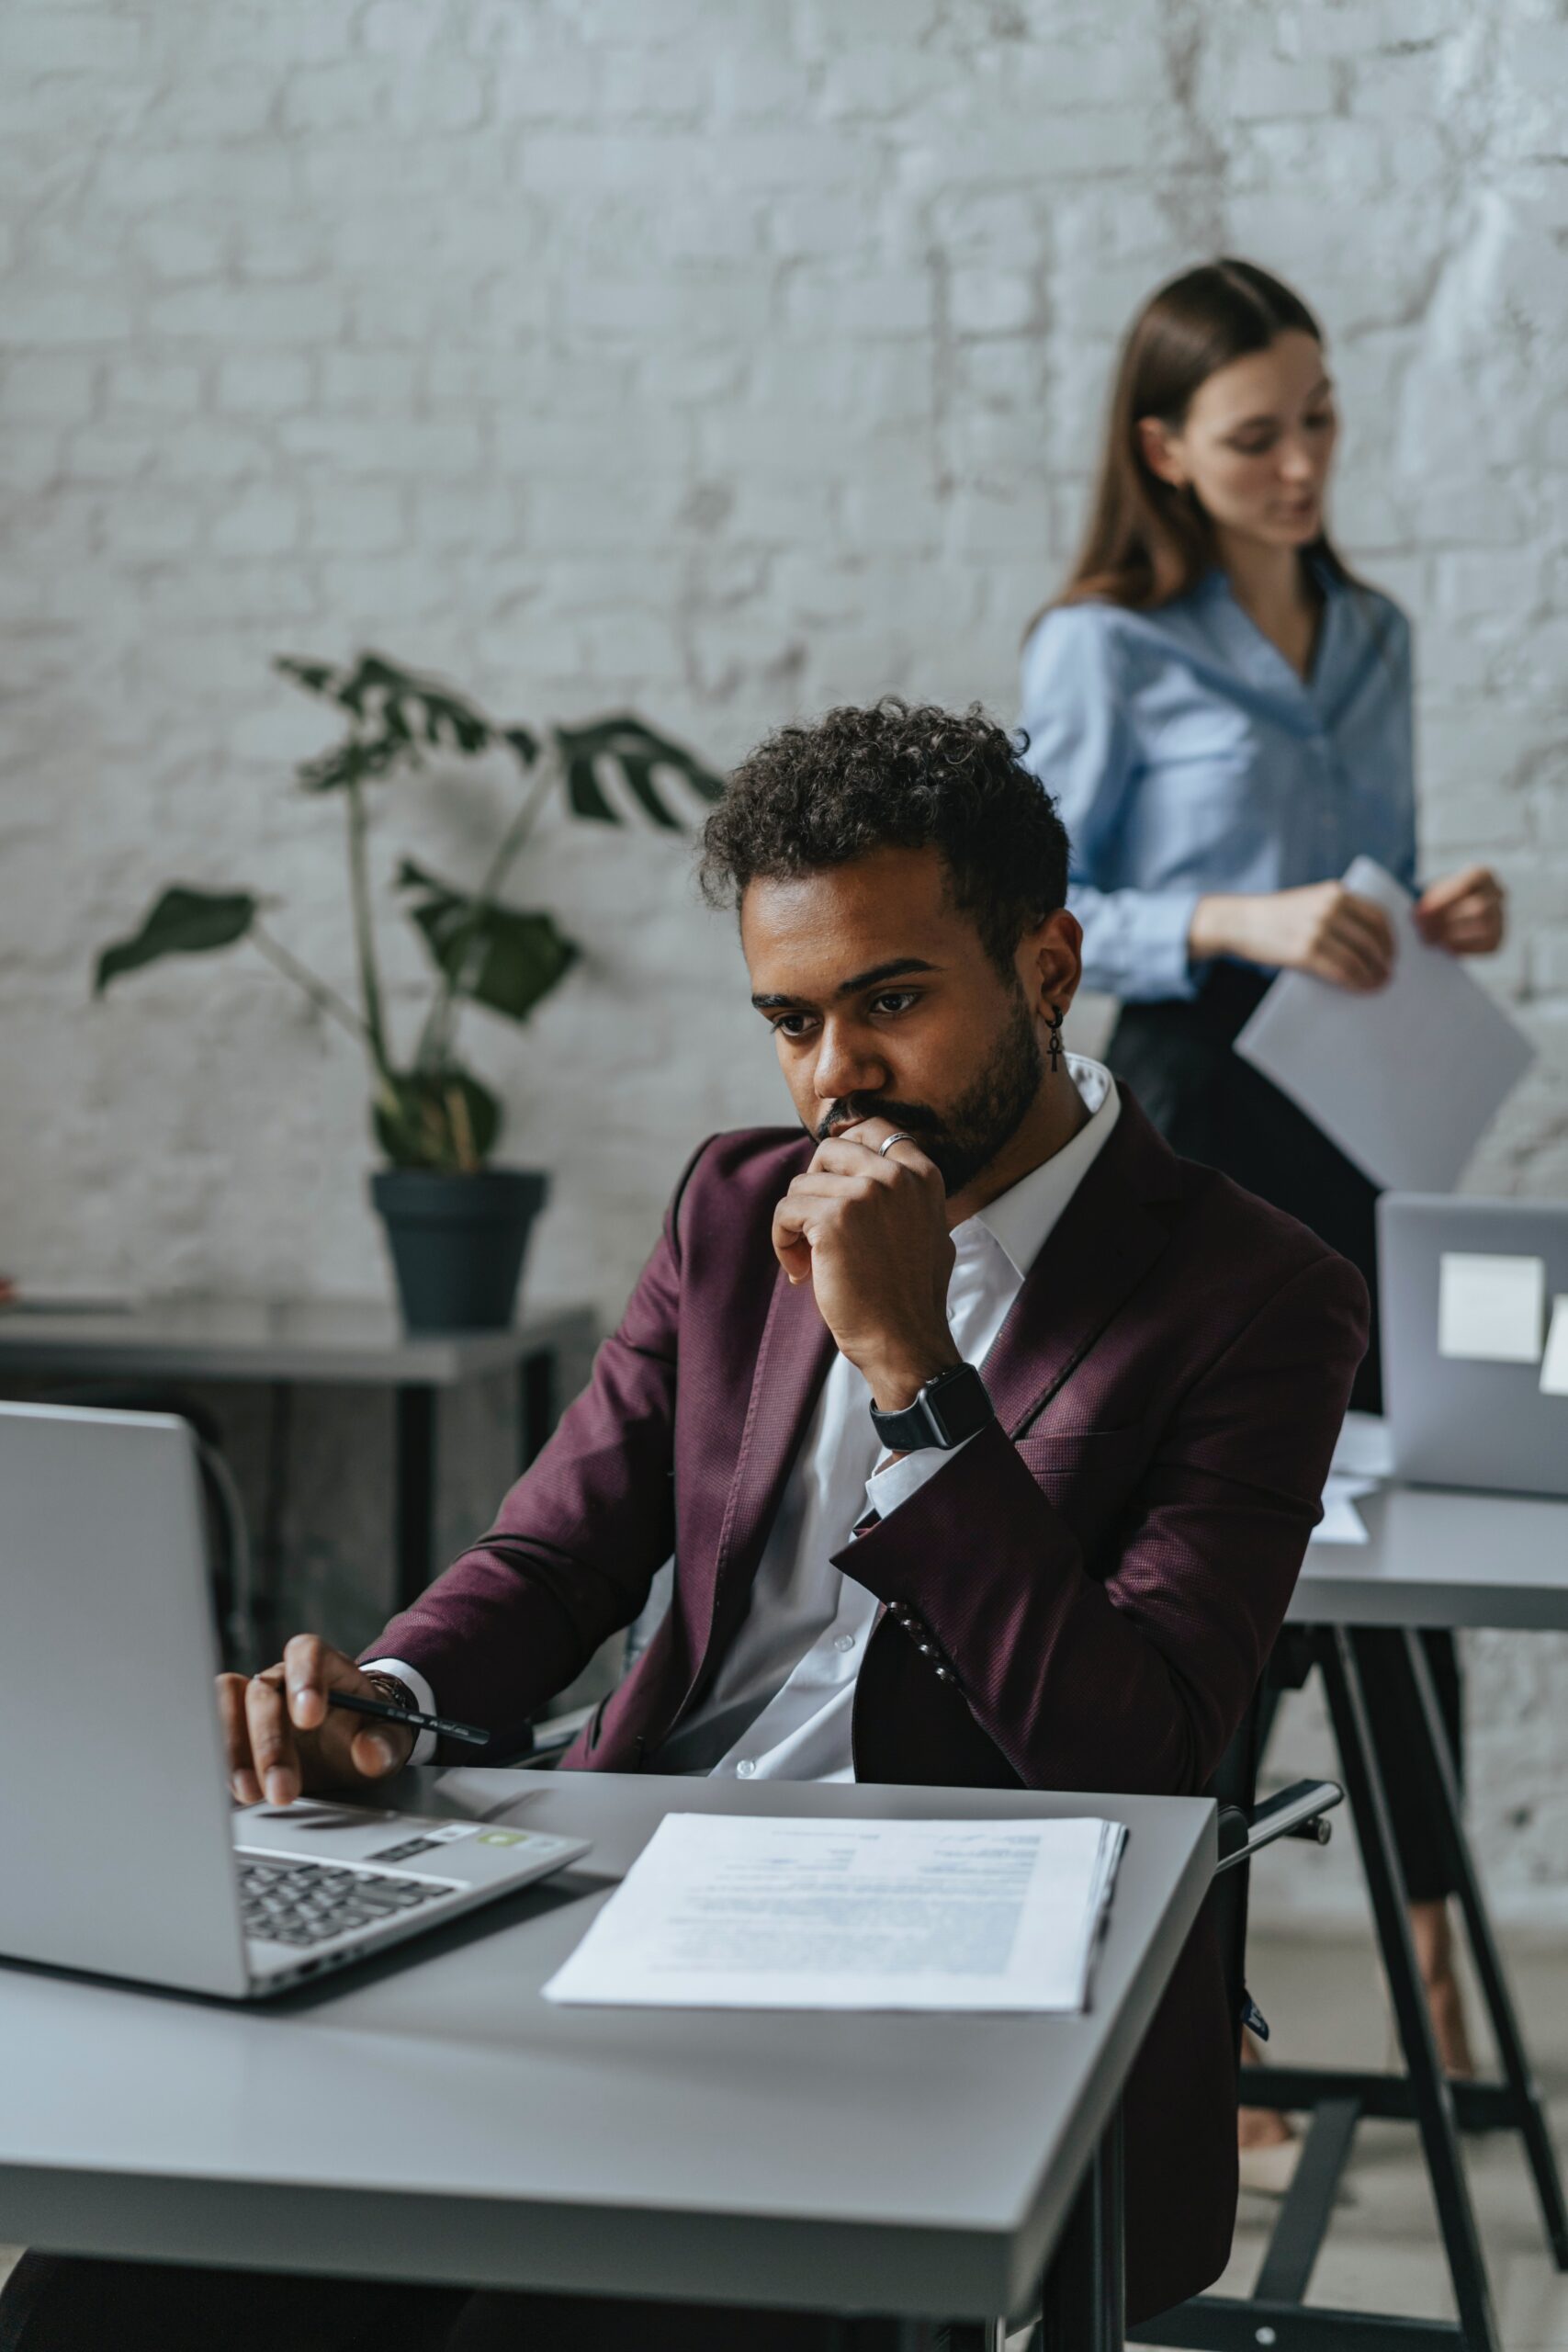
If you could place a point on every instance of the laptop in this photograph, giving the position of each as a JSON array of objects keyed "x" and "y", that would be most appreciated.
[
  {"x": 121, "y": 1851},
  {"x": 1467, "y": 1293}
]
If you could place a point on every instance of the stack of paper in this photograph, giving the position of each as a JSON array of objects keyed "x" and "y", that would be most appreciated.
[
  {"x": 727, "y": 1911},
  {"x": 1362, "y": 1459}
]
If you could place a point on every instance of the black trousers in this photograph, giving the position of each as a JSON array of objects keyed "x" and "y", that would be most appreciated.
[
  {"x": 64, "y": 2304},
  {"x": 1211, "y": 1105}
]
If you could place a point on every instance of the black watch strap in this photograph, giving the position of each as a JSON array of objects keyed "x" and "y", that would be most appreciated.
[{"x": 948, "y": 1409}]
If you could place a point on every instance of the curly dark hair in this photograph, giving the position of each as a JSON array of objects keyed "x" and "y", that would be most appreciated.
[{"x": 889, "y": 776}]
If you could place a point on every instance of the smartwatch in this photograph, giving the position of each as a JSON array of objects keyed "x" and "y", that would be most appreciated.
[{"x": 954, "y": 1406}]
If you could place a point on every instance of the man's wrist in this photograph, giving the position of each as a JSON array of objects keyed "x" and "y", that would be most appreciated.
[{"x": 894, "y": 1382}]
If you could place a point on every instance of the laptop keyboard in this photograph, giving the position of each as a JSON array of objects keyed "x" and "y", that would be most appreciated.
[{"x": 305, "y": 1902}]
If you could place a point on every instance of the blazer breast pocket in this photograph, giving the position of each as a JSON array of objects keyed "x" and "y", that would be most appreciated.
[{"x": 1086, "y": 1473}]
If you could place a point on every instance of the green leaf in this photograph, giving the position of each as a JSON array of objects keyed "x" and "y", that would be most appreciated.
[
  {"x": 500, "y": 956},
  {"x": 629, "y": 744},
  {"x": 441, "y": 1118},
  {"x": 182, "y": 922},
  {"x": 399, "y": 703},
  {"x": 353, "y": 760}
]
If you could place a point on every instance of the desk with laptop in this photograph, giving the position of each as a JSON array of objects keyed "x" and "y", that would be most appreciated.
[
  {"x": 466, "y": 2125},
  {"x": 960, "y": 2171}
]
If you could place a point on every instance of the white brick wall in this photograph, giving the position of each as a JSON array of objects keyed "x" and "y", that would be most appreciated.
[{"x": 723, "y": 360}]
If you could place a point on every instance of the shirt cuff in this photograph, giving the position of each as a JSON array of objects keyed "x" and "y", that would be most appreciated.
[
  {"x": 896, "y": 1479},
  {"x": 1164, "y": 960},
  {"x": 423, "y": 1698}
]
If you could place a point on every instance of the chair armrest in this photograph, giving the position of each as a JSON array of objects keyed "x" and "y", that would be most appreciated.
[
  {"x": 1297, "y": 1812},
  {"x": 554, "y": 1736}
]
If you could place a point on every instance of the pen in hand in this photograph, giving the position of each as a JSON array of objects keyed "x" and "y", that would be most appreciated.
[{"x": 469, "y": 1733}]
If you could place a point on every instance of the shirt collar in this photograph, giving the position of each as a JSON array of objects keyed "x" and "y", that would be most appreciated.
[{"x": 1021, "y": 1219}]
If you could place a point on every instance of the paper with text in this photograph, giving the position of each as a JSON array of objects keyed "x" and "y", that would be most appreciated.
[
  {"x": 1554, "y": 1364},
  {"x": 725, "y": 1911},
  {"x": 1404, "y": 1080},
  {"x": 1489, "y": 1307}
]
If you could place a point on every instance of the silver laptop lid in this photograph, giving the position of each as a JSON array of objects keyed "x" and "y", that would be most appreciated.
[
  {"x": 115, "y": 1848},
  {"x": 1460, "y": 1418}
]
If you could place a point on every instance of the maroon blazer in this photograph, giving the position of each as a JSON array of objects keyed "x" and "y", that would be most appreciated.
[{"x": 1083, "y": 1597}]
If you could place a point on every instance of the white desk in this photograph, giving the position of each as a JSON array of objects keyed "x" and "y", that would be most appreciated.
[
  {"x": 438, "y": 2120},
  {"x": 1434, "y": 1557},
  {"x": 1440, "y": 1555}
]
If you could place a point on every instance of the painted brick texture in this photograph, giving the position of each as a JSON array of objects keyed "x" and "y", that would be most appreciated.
[{"x": 726, "y": 362}]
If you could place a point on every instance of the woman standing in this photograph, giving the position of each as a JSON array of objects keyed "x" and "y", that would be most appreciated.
[{"x": 1224, "y": 712}]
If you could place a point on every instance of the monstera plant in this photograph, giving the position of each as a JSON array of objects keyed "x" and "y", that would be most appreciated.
[{"x": 433, "y": 1118}]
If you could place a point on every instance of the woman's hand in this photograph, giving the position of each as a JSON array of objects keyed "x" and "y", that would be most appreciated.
[
  {"x": 1464, "y": 912},
  {"x": 1325, "y": 930}
]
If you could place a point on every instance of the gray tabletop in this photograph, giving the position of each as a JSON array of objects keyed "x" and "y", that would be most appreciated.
[
  {"x": 1442, "y": 1555},
  {"x": 201, "y": 1338},
  {"x": 441, "y": 2120}
]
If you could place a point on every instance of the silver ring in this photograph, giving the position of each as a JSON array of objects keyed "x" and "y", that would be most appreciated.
[{"x": 882, "y": 1149}]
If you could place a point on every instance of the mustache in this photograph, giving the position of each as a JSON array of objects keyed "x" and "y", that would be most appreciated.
[{"x": 918, "y": 1117}]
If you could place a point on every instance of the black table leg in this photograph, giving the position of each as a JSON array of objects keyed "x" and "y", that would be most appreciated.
[
  {"x": 1528, "y": 2114},
  {"x": 1083, "y": 2306},
  {"x": 1339, "y": 1658},
  {"x": 416, "y": 1505}
]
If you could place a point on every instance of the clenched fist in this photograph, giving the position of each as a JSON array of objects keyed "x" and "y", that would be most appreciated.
[{"x": 869, "y": 1233}]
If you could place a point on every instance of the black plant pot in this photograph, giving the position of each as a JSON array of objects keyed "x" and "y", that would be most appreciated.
[{"x": 457, "y": 1242}]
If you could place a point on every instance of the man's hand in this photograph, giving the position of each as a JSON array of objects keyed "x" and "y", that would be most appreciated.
[
  {"x": 280, "y": 1736},
  {"x": 1464, "y": 913},
  {"x": 871, "y": 1236}
]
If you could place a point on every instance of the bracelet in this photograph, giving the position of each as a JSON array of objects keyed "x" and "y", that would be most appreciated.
[{"x": 394, "y": 1691}]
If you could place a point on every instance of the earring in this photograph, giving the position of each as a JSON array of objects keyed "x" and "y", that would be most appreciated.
[{"x": 1054, "y": 1041}]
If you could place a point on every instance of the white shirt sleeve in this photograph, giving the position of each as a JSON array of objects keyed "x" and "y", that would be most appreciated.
[
  {"x": 893, "y": 1482},
  {"x": 423, "y": 1698}
]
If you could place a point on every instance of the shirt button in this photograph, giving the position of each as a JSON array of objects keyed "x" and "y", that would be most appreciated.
[
  {"x": 844, "y": 1642},
  {"x": 745, "y": 1769}
]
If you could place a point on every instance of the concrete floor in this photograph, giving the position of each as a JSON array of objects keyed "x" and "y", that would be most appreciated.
[{"x": 1324, "y": 1999}]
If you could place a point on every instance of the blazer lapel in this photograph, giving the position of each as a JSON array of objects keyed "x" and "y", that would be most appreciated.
[{"x": 1108, "y": 1236}]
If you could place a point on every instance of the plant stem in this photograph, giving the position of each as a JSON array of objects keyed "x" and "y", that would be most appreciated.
[
  {"x": 325, "y": 1000},
  {"x": 435, "y": 1037},
  {"x": 364, "y": 931}
]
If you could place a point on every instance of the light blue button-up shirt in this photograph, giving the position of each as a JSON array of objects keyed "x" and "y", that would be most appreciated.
[{"x": 1187, "y": 756}]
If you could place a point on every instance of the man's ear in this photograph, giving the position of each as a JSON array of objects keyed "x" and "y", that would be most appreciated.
[
  {"x": 1157, "y": 447},
  {"x": 1050, "y": 962}
]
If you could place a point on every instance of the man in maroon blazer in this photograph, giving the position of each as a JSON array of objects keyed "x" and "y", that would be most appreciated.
[{"x": 1062, "y": 1570}]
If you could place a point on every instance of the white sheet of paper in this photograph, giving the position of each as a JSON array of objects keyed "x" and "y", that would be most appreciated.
[
  {"x": 1406, "y": 1080},
  {"x": 1554, "y": 1364},
  {"x": 1341, "y": 1522},
  {"x": 727, "y": 1911},
  {"x": 1490, "y": 1308},
  {"x": 1364, "y": 1448}
]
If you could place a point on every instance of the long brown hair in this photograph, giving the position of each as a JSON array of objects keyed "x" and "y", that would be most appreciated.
[{"x": 1148, "y": 542}]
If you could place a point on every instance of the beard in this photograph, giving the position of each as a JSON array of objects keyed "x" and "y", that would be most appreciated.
[{"x": 962, "y": 1141}]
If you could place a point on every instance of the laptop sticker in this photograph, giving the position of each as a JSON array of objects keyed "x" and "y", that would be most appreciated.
[
  {"x": 1490, "y": 1309},
  {"x": 1555, "y": 1365}
]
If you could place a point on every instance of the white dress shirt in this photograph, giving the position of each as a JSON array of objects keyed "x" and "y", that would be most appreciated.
[{"x": 779, "y": 1708}]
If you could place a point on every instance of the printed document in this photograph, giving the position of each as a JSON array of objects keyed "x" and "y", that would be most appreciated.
[
  {"x": 727, "y": 1911},
  {"x": 1406, "y": 1080}
]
